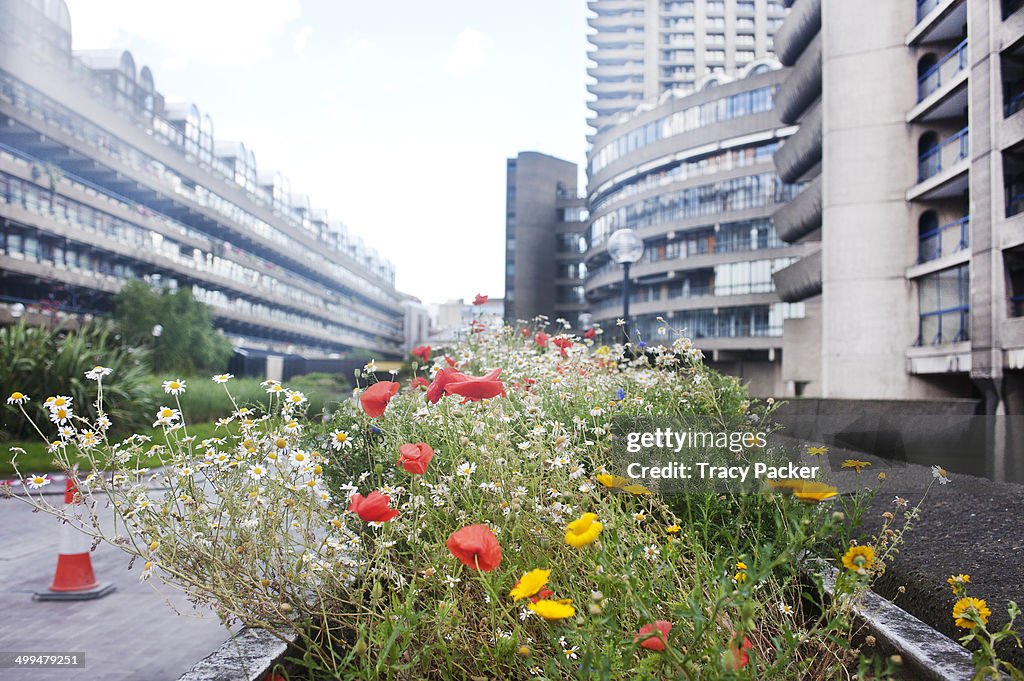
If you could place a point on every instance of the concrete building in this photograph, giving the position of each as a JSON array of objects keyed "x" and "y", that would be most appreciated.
[
  {"x": 693, "y": 174},
  {"x": 911, "y": 143},
  {"x": 545, "y": 239},
  {"x": 642, "y": 48},
  {"x": 102, "y": 181}
]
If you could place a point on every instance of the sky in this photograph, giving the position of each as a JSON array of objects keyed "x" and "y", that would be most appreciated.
[{"x": 396, "y": 117}]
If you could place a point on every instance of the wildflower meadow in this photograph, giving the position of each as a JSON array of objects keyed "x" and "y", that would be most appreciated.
[{"x": 464, "y": 522}]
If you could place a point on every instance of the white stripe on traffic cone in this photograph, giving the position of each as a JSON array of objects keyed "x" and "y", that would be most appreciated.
[{"x": 74, "y": 579}]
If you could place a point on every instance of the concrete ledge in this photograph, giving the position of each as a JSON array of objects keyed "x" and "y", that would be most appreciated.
[
  {"x": 930, "y": 654},
  {"x": 246, "y": 656}
]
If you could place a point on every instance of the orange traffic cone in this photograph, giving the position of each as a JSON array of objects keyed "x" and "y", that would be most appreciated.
[{"x": 74, "y": 579}]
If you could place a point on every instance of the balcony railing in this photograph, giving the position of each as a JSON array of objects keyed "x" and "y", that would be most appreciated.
[
  {"x": 950, "y": 238},
  {"x": 944, "y": 71},
  {"x": 1014, "y": 104},
  {"x": 946, "y": 154},
  {"x": 924, "y": 7},
  {"x": 1017, "y": 306},
  {"x": 944, "y": 326},
  {"x": 1015, "y": 204}
]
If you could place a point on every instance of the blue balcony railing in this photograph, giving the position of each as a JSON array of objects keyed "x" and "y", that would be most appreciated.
[
  {"x": 924, "y": 7},
  {"x": 1017, "y": 306},
  {"x": 1015, "y": 204},
  {"x": 1014, "y": 104},
  {"x": 946, "y": 154},
  {"x": 944, "y": 71},
  {"x": 944, "y": 240},
  {"x": 944, "y": 326}
]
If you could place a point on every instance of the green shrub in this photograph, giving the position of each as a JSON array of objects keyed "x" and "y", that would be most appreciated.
[
  {"x": 188, "y": 341},
  {"x": 42, "y": 362}
]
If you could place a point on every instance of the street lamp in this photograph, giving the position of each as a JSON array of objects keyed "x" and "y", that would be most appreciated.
[{"x": 625, "y": 248}]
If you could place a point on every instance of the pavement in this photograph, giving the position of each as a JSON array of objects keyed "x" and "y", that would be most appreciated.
[{"x": 143, "y": 631}]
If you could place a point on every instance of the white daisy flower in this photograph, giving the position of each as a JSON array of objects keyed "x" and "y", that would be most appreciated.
[
  {"x": 257, "y": 471},
  {"x": 98, "y": 372},
  {"x": 221, "y": 379},
  {"x": 165, "y": 416},
  {"x": 17, "y": 398},
  {"x": 175, "y": 386},
  {"x": 465, "y": 469},
  {"x": 38, "y": 481}
]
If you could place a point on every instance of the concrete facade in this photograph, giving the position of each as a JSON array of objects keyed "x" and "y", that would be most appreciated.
[
  {"x": 544, "y": 236},
  {"x": 102, "y": 181},
  {"x": 911, "y": 142},
  {"x": 643, "y": 48}
]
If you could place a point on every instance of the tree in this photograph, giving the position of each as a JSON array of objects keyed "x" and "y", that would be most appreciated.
[{"x": 187, "y": 340}]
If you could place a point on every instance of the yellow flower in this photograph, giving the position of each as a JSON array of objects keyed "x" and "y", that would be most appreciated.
[
  {"x": 673, "y": 529},
  {"x": 806, "y": 490},
  {"x": 529, "y": 584},
  {"x": 612, "y": 481},
  {"x": 636, "y": 490},
  {"x": 584, "y": 531},
  {"x": 859, "y": 558},
  {"x": 970, "y": 606},
  {"x": 553, "y": 610},
  {"x": 740, "y": 577},
  {"x": 815, "y": 491},
  {"x": 817, "y": 451},
  {"x": 957, "y": 583},
  {"x": 741, "y": 565},
  {"x": 855, "y": 464}
]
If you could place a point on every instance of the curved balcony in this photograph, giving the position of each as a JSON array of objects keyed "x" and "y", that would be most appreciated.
[
  {"x": 802, "y": 151},
  {"x": 803, "y": 85},
  {"x": 801, "y": 216},
  {"x": 797, "y": 31},
  {"x": 799, "y": 281}
]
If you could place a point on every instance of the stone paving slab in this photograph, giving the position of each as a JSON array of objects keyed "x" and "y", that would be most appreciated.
[{"x": 132, "y": 634}]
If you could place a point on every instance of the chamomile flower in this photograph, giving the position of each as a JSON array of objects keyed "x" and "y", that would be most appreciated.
[
  {"x": 465, "y": 469},
  {"x": 221, "y": 379},
  {"x": 38, "y": 481},
  {"x": 340, "y": 439},
  {"x": 257, "y": 471},
  {"x": 98, "y": 372},
  {"x": 61, "y": 415},
  {"x": 175, "y": 386},
  {"x": 166, "y": 416},
  {"x": 295, "y": 397},
  {"x": 651, "y": 552},
  {"x": 17, "y": 398}
]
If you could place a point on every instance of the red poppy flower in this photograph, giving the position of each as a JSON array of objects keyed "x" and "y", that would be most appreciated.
[
  {"x": 373, "y": 508},
  {"x": 525, "y": 331},
  {"x": 472, "y": 388},
  {"x": 476, "y": 388},
  {"x": 739, "y": 652},
  {"x": 480, "y": 299},
  {"x": 422, "y": 352},
  {"x": 589, "y": 333},
  {"x": 563, "y": 344},
  {"x": 476, "y": 546},
  {"x": 420, "y": 382},
  {"x": 375, "y": 398},
  {"x": 541, "y": 339},
  {"x": 477, "y": 327},
  {"x": 449, "y": 360},
  {"x": 414, "y": 458},
  {"x": 649, "y": 635}
]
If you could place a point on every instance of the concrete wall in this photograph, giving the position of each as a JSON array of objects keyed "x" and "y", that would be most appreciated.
[{"x": 537, "y": 177}]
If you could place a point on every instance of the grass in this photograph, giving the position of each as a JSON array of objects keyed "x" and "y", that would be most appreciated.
[{"x": 37, "y": 460}]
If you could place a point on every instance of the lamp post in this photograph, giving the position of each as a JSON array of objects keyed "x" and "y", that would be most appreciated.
[{"x": 625, "y": 248}]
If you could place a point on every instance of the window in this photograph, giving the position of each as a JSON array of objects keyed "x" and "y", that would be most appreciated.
[{"x": 944, "y": 303}]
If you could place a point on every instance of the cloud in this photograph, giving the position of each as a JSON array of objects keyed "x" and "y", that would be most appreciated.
[
  {"x": 469, "y": 53},
  {"x": 300, "y": 39},
  {"x": 227, "y": 32}
]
